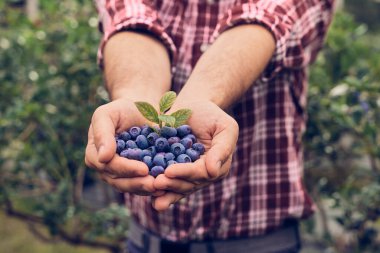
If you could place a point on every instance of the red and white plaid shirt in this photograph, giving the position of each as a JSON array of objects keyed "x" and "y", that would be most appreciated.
[{"x": 264, "y": 186}]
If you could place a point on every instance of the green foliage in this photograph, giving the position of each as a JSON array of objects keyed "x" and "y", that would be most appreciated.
[
  {"x": 167, "y": 101},
  {"x": 167, "y": 119},
  {"x": 148, "y": 111},
  {"x": 181, "y": 116},
  {"x": 176, "y": 119},
  {"x": 342, "y": 139},
  {"x": 50, "y": 86}
]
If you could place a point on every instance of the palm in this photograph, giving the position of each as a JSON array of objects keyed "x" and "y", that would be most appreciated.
[
  {"x": 124, "y": 174},
  {"x": 218, "y": 132}
]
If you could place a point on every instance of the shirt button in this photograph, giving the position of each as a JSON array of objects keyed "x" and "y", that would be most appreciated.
[{"x": 204, "y": 47}]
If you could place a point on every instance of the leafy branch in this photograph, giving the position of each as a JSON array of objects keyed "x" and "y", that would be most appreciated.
[{"x": 160, "y": 117}]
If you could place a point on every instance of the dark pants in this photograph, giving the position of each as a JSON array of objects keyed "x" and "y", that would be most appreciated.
[
  {"x": 285, "y": 240},
  {"x": 132, "y": 248}
]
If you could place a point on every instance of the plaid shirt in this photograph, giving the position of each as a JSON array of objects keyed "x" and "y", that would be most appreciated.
[{"x": 264, "y": 186}]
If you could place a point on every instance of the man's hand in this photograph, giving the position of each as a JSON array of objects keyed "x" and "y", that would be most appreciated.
[
  {"x": 136, "y": 68},
  {"x": 218, "y": 132},
  {"x": 123, "y": 174},
  {"x": 224, "y": 72}
]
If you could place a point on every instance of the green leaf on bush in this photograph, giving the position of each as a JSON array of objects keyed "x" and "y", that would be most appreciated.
[
  {"x": 168, "y": 120},
  {"x": 148, "y": 111},
  {"x": 167, "y": 101},
  {"x": 181, "y": 116}
]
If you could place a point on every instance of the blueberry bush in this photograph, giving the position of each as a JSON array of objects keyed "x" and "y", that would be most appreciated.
[
  {"x": 50, "y": 85},
  {"x": 342, "y": 141}
]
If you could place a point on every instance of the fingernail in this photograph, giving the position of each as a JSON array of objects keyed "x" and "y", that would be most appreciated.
[{"x": 219, "y": 165}]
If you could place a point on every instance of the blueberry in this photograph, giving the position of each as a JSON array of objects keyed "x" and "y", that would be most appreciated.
[
  {"x": 142, "y": 142},
  {"x": 134, "y": 154},
  {"x": 130, "y": 144},
  {"x": 146, "y": 130},
  {"x": 192, "y": 137},
  {"x": 159, "y": 160},
  {"x": 193, "y": 154},
  {"x": 168, "y": 131},
  {"x": 183, "y": 158},
  {"x": 171, "y": 162},
  {"x": 152, "y": 137},
  {"x": 134, "y": 131},
  {"x": 125, "y": 136},
  {"x": 157, "y": 170},
  {"x": 147, "y": 152},
  {"x": 162, "y": 145},
  {"x": 152, "y": 150},
  {"x": 173, "y": 140},
  {"x": 148, "y": 161},
  {"x": 177, "y": 149},
  {"x": 124, "y": 153},
  {"x": 169, "y": 156},
  {"x": 120, "y": 145},
  {"x": 199, "y": 147},
  {"x": 187, "y": 143},
  {"x": 183, "y": 130}
]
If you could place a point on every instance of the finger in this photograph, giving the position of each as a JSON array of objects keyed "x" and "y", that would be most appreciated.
[
  {"x": 103, "y": 130},
  {"x": 223, "y": 146},
  {"x": 192, "y": 172},
  {"x": 118, "y": 167},
  {"x": 91, "y": 158},
  {"x": 158, "y": 193},
  {"x": 137, "y": 185},
  {"x": 163, "y": 202},
  {"x": 126, "y": 168},
  {"x": 175, "y": 185}
]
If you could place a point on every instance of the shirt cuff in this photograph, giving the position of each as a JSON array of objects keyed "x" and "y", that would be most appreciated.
[
  {"x": 140, "y": 24},
  {"x": 274, "y": 21}
]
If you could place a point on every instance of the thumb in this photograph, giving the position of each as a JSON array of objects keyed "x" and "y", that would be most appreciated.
[
  {"x": 222, "y": 147},
  {"x": 104, "y": 135}
]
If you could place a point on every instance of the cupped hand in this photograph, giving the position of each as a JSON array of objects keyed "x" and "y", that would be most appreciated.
[
  {"x": 123, "y": 174},
  {"x": 218, "y": 132}
]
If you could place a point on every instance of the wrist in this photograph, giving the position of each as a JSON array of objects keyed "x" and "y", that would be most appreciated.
[
  {"x": 210, "y": 92},
  {"x": 137, "y": 93},
  {"x": 189, "y": 103},
  {"x": 136, "y": 67}
]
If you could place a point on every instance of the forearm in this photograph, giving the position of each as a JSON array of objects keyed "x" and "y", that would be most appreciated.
[
  {"x": 230, "y": 66},
  {"x": 136, "y": 66}
]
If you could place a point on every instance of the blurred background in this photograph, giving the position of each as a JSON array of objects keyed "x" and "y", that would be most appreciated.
[{"x": 50, "y": 85}]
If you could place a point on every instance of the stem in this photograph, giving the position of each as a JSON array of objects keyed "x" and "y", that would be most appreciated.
[
  {"x": 322, "y": 213},
  {"x": 78, "y": 187},
  {"x": 160, "y": 121}
]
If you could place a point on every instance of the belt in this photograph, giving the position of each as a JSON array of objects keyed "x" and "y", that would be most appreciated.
[{"x": 285, "y": 239}]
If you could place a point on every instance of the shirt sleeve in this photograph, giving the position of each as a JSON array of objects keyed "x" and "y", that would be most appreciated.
[
  {"x": 136, "y": 15},
  {"x": 298, "y": 27}
]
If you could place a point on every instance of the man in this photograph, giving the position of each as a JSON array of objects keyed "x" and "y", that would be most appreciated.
[{"x": 247, "y": 58}]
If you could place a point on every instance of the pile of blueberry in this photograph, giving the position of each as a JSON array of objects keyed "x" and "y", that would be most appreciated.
[{"x": 158, "y": 151}]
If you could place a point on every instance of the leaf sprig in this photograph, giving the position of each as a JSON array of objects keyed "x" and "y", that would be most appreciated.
[{"x": 175, "y": 119}]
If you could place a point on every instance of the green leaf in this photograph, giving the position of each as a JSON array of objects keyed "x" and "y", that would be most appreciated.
[
  {"x": 181, "y": 116},
  {"x": 148, "y": 111},
  {"x": 167, "y": 101},
  {"x": 168, "y": 120}
]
